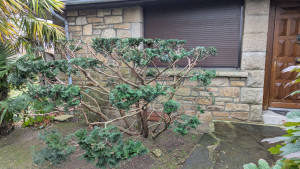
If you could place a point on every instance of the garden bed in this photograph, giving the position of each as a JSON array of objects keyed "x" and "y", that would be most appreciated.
[{"x": 229, "y": 145}]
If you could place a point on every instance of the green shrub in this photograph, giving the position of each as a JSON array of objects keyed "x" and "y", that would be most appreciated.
[{"x": 102, "y": 146}]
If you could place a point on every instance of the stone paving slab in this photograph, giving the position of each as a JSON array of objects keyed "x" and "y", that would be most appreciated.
[{"x": 231, "y": 145}]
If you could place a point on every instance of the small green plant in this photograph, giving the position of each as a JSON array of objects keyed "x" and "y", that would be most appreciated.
[
  {"x": 29, "y": 121},
  {"x": 290, "y": 143},
  {"x": 263, "y": 164},
  {"x": 105, "y": 147},
  {"x": 289, "y": 148},
  {"x": 56, "y": 151},
  {"x": 186, "y": 123}
]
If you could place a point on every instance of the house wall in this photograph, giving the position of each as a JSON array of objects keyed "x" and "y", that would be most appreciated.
[{"x": 238, "y": 93}]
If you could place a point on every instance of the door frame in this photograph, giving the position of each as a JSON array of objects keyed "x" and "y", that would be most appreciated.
[{"x": 269, "y": 55}]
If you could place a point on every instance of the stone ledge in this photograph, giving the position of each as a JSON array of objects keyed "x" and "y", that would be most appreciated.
[{"x": 231, "y": 74}]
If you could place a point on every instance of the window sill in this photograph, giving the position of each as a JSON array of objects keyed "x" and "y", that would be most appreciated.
[{"x": 232, "y": 74}]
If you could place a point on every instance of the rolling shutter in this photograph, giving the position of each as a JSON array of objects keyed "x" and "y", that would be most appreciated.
[{"x": 202, "y": 23}]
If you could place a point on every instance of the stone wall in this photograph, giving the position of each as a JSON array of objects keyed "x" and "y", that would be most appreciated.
[
  {"x": 254, "y": 53},
  {"x": 116, "y": 22},
  {"x": 238, "y": 94}
]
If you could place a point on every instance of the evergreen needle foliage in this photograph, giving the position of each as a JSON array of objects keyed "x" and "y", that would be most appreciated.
[{"x": 105, "y": 147}]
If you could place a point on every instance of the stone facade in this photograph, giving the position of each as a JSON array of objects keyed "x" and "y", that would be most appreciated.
[
  {"x": 237, "y": 94},
  {"x": 116, "y": 22}
]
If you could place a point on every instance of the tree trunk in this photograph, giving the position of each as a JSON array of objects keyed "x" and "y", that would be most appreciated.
[{"x": 145, "y": 123}]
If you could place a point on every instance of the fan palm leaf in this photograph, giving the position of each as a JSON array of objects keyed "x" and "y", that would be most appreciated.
[{"x": 19, "y": 21}]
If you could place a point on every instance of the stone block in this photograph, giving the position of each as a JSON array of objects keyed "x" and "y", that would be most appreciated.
[
  {"x": 220, "y": 114},
  {"x": 113, "y": 19},
  {"x": 123, "y": 33},
  {"x": 137, "y": 30},
  {"x": 122, "y": 26},
  {"x": 133, "y": 14},
  {"x": 256, "y": 113},
  {"x": 253, "y": 60},
  {"x": 236, "y": 107},
  {"x": 190, "y": 112},
  {"x": 254, "y": 43},
  {"x": 72, "y": 13},
  {"x": 229, "y": 91},
  {"x": 237, "y": 83},
  {"x": 215, "y": 108},
  {"x": 71, "y": 19},
  {"x": 77, "y": 33},
  {"x": 183, "y": 91},
  {"x": 236, "y": 100},
  {"x": 117, "y": 11},
  {"x": 206, "y": 101},
  {"x": 97, "y": 31},
  {"x": 257, "y": 7},
  {"x": 103, "y": 12},
  {"x": 88, "y": 29},
  {"x": 94, "y": 20},
  {"x": 256, "y": 78},
  {"x": 252, "y": 95},
  {"x": 100, "y": 26},
  {"x": 256, "y": 24},
  {"x": 87, "y": 12},
  {"x": 75, "y": 28},
  {"x": 206, "y": 117},
  {"x": 81, "y": 20},
  {"x": 232, "y": 74},
  {"x": 220, "y": 103},
  {"x": 222, "y": 99},
  {"x": 108, "y": 33},
  {"x": 240, "y": 115},
  {"x": 190, "y": 82},
  {"x": 219, "y": 82},
  {"x": 189, "y": 98}
]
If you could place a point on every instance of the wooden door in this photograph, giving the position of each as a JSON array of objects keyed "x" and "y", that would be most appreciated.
[{"x": 284, "y": 54}]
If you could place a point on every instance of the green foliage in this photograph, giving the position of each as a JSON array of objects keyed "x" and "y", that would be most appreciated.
[
  {"x": 263, "y": 164},
  {"x": 28, "y": 67},
  {"x": 44, "y": 99},
  {"x": 123, "y": 96},
  {"x": 164, "y": 50},
  {"x": 6, "y": 52},
  {"x": 171, "y": 106},
  {"x": 102, "y": 146},
  {"x": 201, "y": 111},
  {"x": 56, "y": 151},
  {"x": 204, "y": 77},
  {"x": 105, "y": 146},
  {"x": 290, "y": 148},
  {"x": 6, "y": 60},
  {"x": 186, "y": 123},
  {"x": 29, "y": 121}
]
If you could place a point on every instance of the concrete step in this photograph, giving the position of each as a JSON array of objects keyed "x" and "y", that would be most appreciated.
[{"x": 270, "y": 117}]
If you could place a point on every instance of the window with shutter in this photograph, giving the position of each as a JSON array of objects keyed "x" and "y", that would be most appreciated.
[{"x": 202, "y": 23}]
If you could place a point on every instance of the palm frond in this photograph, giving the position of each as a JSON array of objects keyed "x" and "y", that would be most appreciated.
[
  {"x": 7, "y": 53},
  {"x": 18, "y": 21}
]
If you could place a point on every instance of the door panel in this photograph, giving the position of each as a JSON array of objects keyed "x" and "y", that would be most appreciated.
[{"x": 285, "y": 51}]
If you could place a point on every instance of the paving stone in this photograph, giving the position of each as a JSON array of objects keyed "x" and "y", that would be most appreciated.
[{"x": 63, "y": 117}]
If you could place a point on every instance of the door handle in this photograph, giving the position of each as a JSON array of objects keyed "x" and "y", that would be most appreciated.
[{"x": 297, "y": 59}]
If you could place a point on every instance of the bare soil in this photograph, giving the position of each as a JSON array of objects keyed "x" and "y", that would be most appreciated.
[{"x": 16, "y": 149}]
